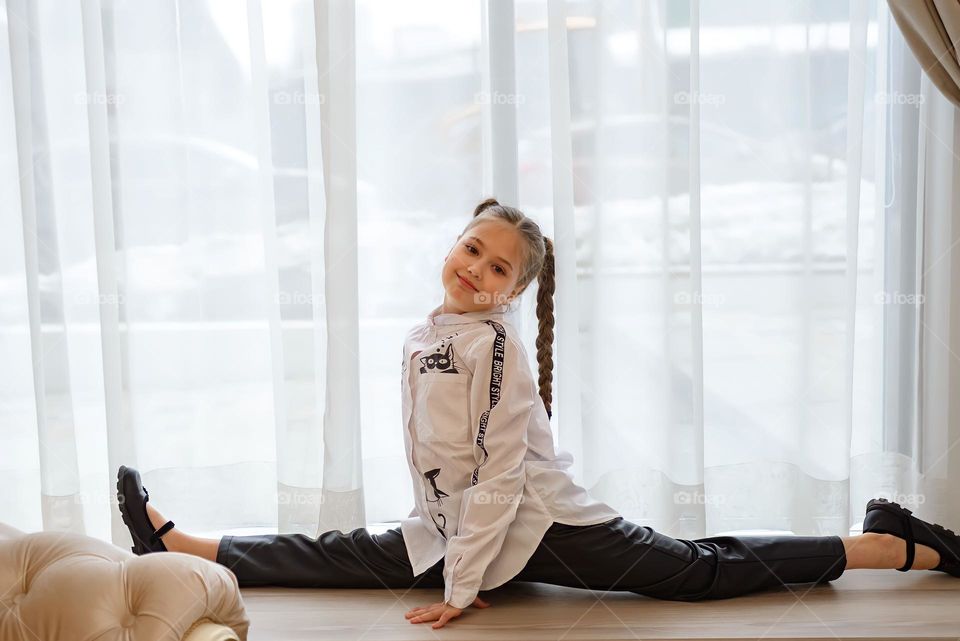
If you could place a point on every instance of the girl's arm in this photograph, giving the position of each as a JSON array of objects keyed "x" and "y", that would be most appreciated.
[{"x": 503, "y": 393}]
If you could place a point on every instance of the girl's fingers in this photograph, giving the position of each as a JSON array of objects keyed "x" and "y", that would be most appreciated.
[
  {"x": 423, "y": 618},
  {"x": 446, "y": 616},
  {"x": 430, "y": 614},
  {"x": 415, "y": 611}
]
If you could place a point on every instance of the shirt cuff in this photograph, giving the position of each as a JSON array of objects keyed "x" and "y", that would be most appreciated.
[{"x": 459, "y": 596}]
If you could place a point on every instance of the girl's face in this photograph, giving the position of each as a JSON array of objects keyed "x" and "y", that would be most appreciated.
[{"x": 482, "y": 269}]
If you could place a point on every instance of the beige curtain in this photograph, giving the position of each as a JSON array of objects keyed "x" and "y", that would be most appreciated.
[{"x": 932, "y": 29}]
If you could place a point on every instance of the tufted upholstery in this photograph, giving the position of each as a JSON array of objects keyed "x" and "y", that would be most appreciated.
[{"x": 62, "y": 586}]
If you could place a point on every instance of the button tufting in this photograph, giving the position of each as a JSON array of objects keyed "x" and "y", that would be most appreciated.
[{"x": 88, "y": 586}]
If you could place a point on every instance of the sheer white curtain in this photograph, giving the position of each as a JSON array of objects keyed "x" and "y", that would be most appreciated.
[
  {"x": 179, "y": 266},
  {"x": 220, "y": 219},
  {"x": 747, "y": 181}
]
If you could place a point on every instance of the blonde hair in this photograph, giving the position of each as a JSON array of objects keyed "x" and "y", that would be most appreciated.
[{"x": 537, "y": 261}]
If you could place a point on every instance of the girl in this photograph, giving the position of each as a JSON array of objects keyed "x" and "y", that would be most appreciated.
[{"x": 494, "y": 500}]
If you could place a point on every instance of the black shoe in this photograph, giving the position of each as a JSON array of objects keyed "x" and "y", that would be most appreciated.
[
  {"x": 889, "y": 518},
  {"x": 132, "y": 498}
]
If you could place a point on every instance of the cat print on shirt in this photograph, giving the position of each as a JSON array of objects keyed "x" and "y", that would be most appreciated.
[{"x": 443, "y": 360}]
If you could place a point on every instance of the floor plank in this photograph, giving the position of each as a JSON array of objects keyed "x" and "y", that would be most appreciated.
[{"x": 861, "y": 604}]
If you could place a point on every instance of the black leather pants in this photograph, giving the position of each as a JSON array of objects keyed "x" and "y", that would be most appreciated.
[{"x": 616, "y": 555}]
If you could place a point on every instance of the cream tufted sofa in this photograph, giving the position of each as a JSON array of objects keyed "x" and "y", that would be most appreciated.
[{"x": 63, "y": 586}]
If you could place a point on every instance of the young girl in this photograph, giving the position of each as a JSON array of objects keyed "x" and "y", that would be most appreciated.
[{"x": 494, "y": 500}]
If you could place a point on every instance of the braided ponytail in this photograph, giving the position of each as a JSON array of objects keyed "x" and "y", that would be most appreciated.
[{"x": 546, "y": 285}]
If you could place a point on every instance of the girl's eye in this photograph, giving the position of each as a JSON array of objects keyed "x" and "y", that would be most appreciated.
[{"x": 470, "y": 248}]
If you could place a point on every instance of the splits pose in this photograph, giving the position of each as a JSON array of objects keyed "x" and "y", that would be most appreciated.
[{"x": 495, "y": 501}]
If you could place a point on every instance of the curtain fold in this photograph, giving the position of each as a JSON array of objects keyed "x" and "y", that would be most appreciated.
[
  {"x": 569, "y": 426},
  {"x": 219, "y": 222},
  {"x": 932, "y": 29},
  {"x": 102, "y": 181},
  {"x": 342, "y": 503}
]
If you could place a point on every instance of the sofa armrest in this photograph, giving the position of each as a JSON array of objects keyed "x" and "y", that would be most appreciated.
[{"x": 62, "y": 585}]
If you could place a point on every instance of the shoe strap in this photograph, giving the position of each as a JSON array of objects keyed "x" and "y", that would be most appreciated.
[
  {"x": 166, "y": 527},
  {"x": 911, "y": 546}
]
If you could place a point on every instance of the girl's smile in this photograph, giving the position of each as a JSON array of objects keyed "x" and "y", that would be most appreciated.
[{"x": 466, "y": 283}]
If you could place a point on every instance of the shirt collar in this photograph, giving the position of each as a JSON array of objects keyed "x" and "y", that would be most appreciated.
[{"x": 496, "y": 313}]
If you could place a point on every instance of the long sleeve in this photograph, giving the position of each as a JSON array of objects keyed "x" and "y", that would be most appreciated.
[{"x": 502, "y": 397}]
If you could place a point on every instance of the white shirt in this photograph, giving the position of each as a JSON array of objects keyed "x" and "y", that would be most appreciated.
[{"x": 486, "y": 478}]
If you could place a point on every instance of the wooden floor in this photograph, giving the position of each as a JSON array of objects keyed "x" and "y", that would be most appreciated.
[{"x": 861, "y": 604}]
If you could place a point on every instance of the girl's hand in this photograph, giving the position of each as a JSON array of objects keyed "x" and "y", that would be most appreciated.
[{"x": 440, "y": 612}]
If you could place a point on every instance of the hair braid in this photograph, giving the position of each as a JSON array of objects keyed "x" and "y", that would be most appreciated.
[{"x": 546, "y": 284}]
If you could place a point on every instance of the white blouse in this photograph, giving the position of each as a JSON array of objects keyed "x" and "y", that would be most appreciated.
[{"x": 487, "y": 480}]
